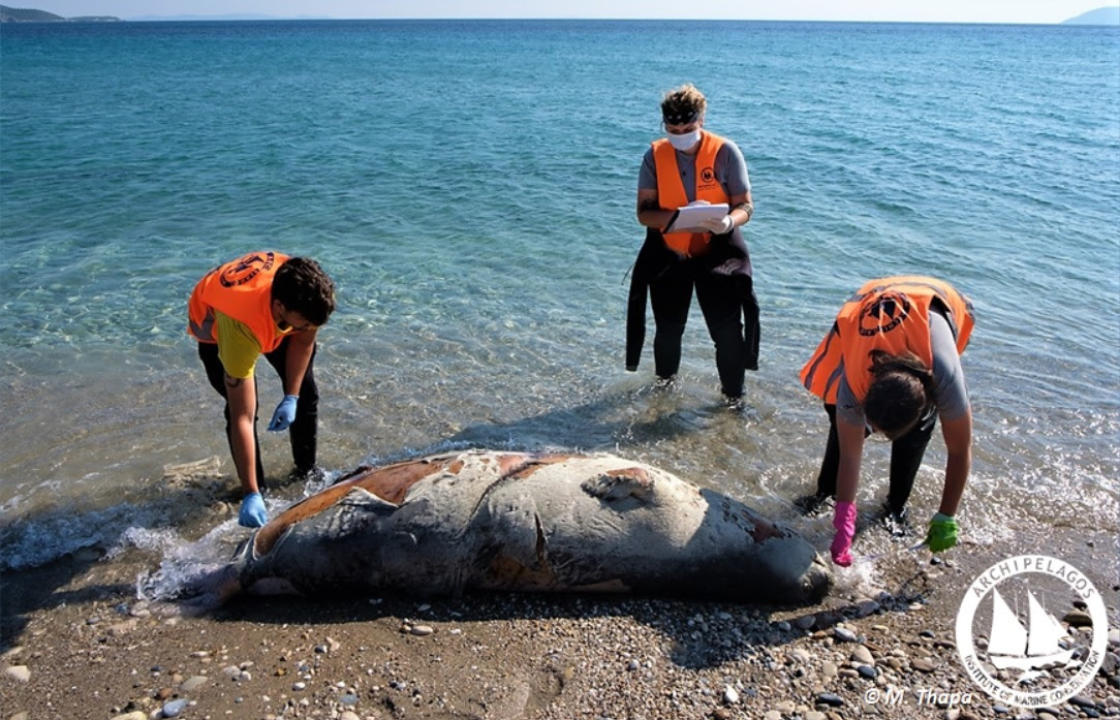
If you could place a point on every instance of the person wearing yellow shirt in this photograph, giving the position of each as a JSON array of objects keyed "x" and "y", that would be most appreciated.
[{"x": 263, "y": 303}]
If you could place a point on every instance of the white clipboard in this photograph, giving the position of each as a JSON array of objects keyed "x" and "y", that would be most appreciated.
[{"x": 689, "y": 217}]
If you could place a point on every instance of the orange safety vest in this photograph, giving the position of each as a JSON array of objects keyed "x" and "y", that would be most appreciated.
[
  {"x": 889, "y": 314},
  {"x": 242, "y": 289},
  {"x": 671, "y": 193}
]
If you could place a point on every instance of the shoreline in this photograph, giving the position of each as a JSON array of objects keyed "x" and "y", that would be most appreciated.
[{"x": 78, "y": 643}]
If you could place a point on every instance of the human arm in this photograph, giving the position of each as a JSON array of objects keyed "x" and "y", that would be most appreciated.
[
  {"x": 850, "y": 438},
  {"x": 238, "y": 350},
  {"x": 958, "y": 446},
  {"x": 943, "y": 528},
  {"x": 955, "y": 411},
  {"x": 301, "y": 344},
  {"x": 740, "y": 214},
  {"x": 649, "y": 211},
  {"x": 648, "y": 207},
  {"x": 298, "y": 350},
  {"x": 241, "y": 393}
]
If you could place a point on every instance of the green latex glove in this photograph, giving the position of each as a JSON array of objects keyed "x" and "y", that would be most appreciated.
[{"x": 943, "y": 531}]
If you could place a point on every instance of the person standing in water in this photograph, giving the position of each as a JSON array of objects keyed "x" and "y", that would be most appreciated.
[
  {"x": 692, "y": 165},
  {"x": 891, "y": 364},
  {"x": 263, "y": 303}
]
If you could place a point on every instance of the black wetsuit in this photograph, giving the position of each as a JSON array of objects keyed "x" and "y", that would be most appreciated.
[{"x": 725, "y": 291}]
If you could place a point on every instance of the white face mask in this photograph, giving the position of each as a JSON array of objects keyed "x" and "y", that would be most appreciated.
[{"x": 684, "y": 142}]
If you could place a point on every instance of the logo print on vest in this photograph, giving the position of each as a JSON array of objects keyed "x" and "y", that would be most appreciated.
[
  {"x": 884, "y": 313},
  {"x": 707, "y": 176},
  {"x": 246, "y": 269}
]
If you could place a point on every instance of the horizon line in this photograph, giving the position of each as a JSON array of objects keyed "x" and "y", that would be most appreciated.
[{"x": 251, "y": 17}]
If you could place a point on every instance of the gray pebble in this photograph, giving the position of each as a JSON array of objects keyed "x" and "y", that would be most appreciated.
[
  {"x": 173, "y": 708},
  {"x": 831, "y": 699},
  {"x": 1078, "y": 618},
  {"x": 805, "y": 622},
  {"x": 193, "y": 683},
  {"x": 1083, "y": 701},
  {"x": 868, "y": 672},
  {"x": 923, "y": 664},
  {"x": 20, "y": 673},
  {"x": 868, "y": 607},
  {"x": 844, "y": 635}
]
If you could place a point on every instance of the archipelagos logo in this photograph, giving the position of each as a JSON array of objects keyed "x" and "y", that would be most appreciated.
[{"x": 1030, "y": 657}]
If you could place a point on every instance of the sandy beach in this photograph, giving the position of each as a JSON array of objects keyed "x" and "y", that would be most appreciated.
[{"x": 79, "y": 643}]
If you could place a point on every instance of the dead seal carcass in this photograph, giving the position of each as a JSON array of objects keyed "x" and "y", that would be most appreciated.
[{"x": 492, "y": 520}]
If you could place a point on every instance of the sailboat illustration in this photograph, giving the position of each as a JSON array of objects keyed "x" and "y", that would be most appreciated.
[{"x": 1010, "y": 645}]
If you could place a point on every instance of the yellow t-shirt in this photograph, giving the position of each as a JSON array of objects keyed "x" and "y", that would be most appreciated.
[{"x": 238, "y": 348}]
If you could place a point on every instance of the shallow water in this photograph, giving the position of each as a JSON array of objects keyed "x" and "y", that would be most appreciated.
[{"x": 470, "y": 187}]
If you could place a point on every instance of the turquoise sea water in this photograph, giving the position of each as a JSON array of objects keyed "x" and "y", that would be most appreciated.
[{"x": 470, "y": 186}]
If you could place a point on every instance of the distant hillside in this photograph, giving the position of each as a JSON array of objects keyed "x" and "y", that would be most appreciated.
[
  {"x": 1100, "y": 16},
  {"x": 9, "y": 14}
]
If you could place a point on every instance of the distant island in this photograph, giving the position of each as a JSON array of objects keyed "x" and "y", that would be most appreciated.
[
  {"x": 9, "y": 14},
  {"x": 1100, "y": 16}
]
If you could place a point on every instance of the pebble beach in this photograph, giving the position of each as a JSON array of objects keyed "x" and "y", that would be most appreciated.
[{"x": 80, "y": 642}]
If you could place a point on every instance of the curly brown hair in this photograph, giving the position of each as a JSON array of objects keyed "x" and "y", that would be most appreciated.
[
  {"x": 682, "y": 105},
  {"x": 302, "y": 286},
  {"x": 900, "y": 393}
]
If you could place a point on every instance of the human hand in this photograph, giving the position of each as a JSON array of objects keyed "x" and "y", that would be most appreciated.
[
  {"x": 845, "y": 523},
  {"x": 722, "y": 226},
  {"x": 285, "y": 413},
  {"x": 252, "y": 512},
  {"x": 943, "y": 530}
]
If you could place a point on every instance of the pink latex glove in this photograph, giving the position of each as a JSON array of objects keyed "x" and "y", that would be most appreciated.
[{"x": 845, "y": 523}]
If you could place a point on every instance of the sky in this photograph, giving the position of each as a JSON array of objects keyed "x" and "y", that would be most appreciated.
[{"x": 967, "y": 11}]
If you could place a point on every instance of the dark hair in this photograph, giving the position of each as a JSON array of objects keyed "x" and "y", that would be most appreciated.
[
  {"x": 901, "y": 391},
  {"x": 682, "y": 105},
  {"x": 302, "y": 286}
]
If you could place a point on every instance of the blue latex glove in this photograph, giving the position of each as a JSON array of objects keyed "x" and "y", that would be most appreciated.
[
  {"x": 943, "y": 531},
  {"x": 252, "y": 513},
  {"x": 285, "y": 413}
]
